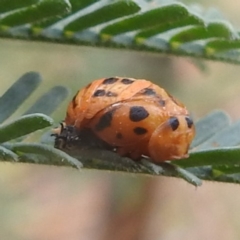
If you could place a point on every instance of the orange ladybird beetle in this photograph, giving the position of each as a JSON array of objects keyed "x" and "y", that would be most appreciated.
[{"x": 133, "y": 116}]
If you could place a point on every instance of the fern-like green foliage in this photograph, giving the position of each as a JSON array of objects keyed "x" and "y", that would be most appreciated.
[
  {"x": 214, "y": 154},
  {"x": 159, "y": 26}
]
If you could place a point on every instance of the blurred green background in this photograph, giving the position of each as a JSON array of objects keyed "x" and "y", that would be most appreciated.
[{"x": 42, "y": 202}]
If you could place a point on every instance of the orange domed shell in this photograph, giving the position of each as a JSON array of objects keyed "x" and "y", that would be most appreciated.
[{"x": 134, "y": 116}]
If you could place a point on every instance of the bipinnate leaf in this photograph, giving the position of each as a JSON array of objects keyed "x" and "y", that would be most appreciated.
[
  {"x": 169, "y": 169},
  {"x": 47, "y": 154},
  {"x": 23, "y": 126},
  {"x": 214, "y": 153},
  {"x": 49, "y": 101},
  {"x": 161, "y": 26},
  {"x": 41, "y": 10},
  {"x": 14, "y": 97},
  {"x": 9, "y": 5},
  {"x": 212, "y": 157},
  {"x": 208, "y": 126},
  {"x": 7, "y": 155}
]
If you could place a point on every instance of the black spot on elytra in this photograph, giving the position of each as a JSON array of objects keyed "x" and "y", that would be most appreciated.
[
  {"x": 99, "y": 93},
  {"x": 189, "y": 122},
  {"x": 110, "y": 80},
  {"x": 162, "y": 102},
  {"x": 119, "y": 135},
  {"x": 140, "y": 130},
  {"x": 126, "y": 81},
  {"x": 74, "y": 104},
  {"x": 111, "y": 94},
  {"x": 105, "y": 120},
  {"x": 174, "y": 123},
  {"x": 138, "y": 113},
  {"x": 148, "y": 92}
]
